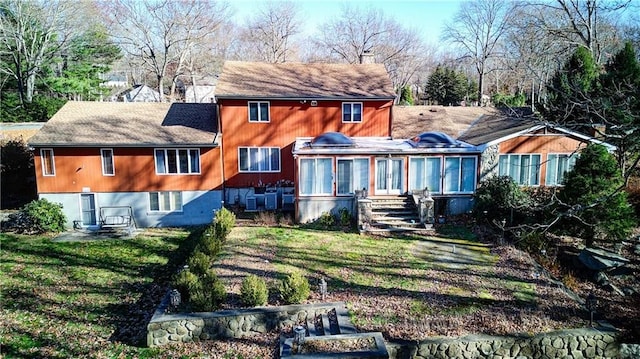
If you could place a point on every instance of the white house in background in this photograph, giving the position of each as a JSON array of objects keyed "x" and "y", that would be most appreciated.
[{"x": 139, "y": 93}]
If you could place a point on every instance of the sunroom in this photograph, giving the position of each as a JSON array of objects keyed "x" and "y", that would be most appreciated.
[{"x": 331, "y": 168}]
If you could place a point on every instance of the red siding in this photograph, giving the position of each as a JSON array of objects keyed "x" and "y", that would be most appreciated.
[
  {"x": 542, "y": 144},
  {"x": 288, "y": 120},
  {"x": 78, "y": 168}
]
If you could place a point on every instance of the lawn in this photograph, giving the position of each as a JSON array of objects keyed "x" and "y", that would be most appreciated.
[
  {"x": 90, "y": 299},
  {"x": 94, "y": 299},
  {"x": 407, "y": 287}
]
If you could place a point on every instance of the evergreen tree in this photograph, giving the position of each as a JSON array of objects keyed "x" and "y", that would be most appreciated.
[
  {"x": 89, "y": 56},
  {"x": 569, "y": 94},
  {"x": 597, "y": 206},
  {"x": 619, "y": 105},
  {"x": 446, "y": 86}
]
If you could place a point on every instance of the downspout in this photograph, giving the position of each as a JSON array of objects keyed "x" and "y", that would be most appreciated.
[{"x": 219, "y": 132}]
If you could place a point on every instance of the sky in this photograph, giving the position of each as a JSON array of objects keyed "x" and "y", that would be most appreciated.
[{"x": 426, "y": 16}]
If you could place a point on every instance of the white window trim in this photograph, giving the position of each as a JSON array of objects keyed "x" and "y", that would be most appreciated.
[
  {"x": 337, "y": 175},
  {"x": 444, "y": 170},
  {"x": 113, "y": 161},
  {"x": 161, "y": 211},
  {"x": 440, "y": 172},
  {"x": 166, "y": 165},
  {"x": 352, "y": 103},
  {"x": 558, "y": 183},
  {"x": 249, "y": 159},
  {"x": 259, "y": 113},
  {"x": 333, "y": 184},
  {"x": 53, "y": 162},
  {"x": 522, "y": 154}
]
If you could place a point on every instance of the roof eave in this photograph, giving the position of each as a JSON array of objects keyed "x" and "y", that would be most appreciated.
[
  {"x": 128, "y": 145},
  {"x": 308, "y": 98}
]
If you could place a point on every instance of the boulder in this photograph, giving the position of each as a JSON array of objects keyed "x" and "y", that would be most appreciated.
[{"x": 599, "y": 259}]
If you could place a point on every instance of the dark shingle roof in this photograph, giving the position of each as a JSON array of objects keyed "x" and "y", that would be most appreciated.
[
  {"x": 129, "y": 124},
  {"x": 300, "y": 80},
  {"x": 489, "y": 128}
]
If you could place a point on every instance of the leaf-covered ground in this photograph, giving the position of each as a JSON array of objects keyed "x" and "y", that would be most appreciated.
[{"x": 94, "y": 299}]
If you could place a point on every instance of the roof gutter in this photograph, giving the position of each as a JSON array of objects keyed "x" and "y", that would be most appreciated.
[{"x": 305, "y": 98}]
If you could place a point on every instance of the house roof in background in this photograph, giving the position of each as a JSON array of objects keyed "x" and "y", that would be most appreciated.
[
  {"x": 19, "y": 131},
  {"x": 133, "y": 124},
  {"x": 304, "y": 81},
  {"x": 410, "y": 121}
]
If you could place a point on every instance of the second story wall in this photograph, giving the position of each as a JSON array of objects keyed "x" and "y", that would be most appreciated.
[
  {"x": 288, "y": 120},
  {"x": 134, "y": 170}
]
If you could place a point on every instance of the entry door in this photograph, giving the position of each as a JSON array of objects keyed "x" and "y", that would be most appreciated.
[
  {"x": 88, "y": 208},
  {"x": 389, "y": 175}
]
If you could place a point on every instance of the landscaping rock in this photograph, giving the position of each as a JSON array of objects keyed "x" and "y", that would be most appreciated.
[{"x": 600, "y": 259}]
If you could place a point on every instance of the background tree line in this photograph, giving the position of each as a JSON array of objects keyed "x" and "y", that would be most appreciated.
[{"x": 57, "y": 50}]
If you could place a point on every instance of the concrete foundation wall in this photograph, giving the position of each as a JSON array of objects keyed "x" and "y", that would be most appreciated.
[
  {"x": 197, "y": 207},
  {"x": 311, "y": 208}
]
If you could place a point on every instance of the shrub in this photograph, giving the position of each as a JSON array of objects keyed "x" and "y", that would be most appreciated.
[
  {"x": 186, "y": 282},
  {"x": 209, "y": 295},
  {"x": 327, "y": 220},
  {"x": 499, "y": 198},
  {"x": 345, "y": 217},
  {"x": 294, "y": 288},
  {"x": 224, "y": 222},
  {"x": 199, "y": 263},
  {"x": 254, "y": 291},
  {"x": 266, "y": 218},
  {"x": 38, "y": 216},
  {"x": 211, "y": 242}
]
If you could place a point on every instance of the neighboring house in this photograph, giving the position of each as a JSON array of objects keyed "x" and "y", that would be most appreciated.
[
  {"x": 531, "y": 152},
  {"x": 304, "y": 137},
  {"x": 200, "y": 93},
  {"x": 162, "y": 160},
  {"x": 138, "y": 93}
]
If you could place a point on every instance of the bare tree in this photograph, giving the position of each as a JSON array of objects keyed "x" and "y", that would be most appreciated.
[
  {"x": 477, "y": 28},
  {"x": 360, "y": 32},
  {"x": 269, "y": 34},
  {"x": 588, "y": 23},
  {"x": 160, "y": 35},
  {"x": 32, "y": 33}
]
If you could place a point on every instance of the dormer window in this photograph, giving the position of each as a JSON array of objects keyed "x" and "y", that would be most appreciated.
[
  {"x": 351, "y": 112},
  {"x": 258, "y": 111}
]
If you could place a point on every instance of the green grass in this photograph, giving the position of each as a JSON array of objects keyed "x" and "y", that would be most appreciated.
[{"x": 62, "y": 300}]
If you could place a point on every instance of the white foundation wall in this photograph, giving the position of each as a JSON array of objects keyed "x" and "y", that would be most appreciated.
[{"x": 198, "y": 207}]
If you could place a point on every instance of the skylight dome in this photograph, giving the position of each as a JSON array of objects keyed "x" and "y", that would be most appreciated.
[
  {"x": 331, "y": 139},
  {"x": 434, "y": 139}
]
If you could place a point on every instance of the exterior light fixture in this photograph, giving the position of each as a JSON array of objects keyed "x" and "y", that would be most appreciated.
[
  {"x": 299, "y": 333},
  {"x": 323, "y": 288},
  {"x": 174, "y": 299},
  {"x": 592, "y": 304}
]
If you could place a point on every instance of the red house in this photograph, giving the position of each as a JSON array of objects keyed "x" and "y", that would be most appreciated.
[{"x": 313, "y": 138}]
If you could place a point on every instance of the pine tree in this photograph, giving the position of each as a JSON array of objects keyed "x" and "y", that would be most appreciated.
[{"x": 597, "y": 205}]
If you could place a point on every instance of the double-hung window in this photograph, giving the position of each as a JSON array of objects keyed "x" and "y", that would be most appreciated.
[
  {"x": 353, "y": 174},
  {"x": 48, "y": 163},
  {"x": 259, "y": 159},
  {"x": 106, "y": 155},
  {"x": 425, "y": 172},
  {"x": 523, "y": 168},
  {"x": 177, "y": 161},
  {"x": 557, "y": 166},
  {"x": 459, "y": 174},
  {"x": 352, "y": 112},
  {"x": 258, "y": 111},
  {"x": 169, "y": 201},
  {"x": 316, "y": 176}
]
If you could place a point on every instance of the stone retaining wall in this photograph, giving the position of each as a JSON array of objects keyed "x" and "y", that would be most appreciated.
[
  {"x": 572, "y": 343},
  {"x": 193, "y": 327}
]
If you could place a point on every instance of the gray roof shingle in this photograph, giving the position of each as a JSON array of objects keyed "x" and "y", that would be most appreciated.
[
  {"x": 80, "y": 123},
  {"x": 304, "y": 81},
  {"x": 492, "y": 127}
]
